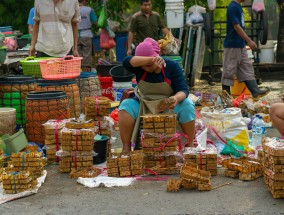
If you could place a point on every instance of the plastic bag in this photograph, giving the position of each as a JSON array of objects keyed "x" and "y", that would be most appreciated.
[
  {"x": 105, "y": 41},
  {"x": 229, "y": 124},
  {"x": 258, "y": 6},
  {"x": 237, "y": 101},
  {"x": 102, "y": 22},
  {"x": 10, "y": 43},
  {"x": 169, "y": 44},
  {"x": 197, "y": 8},
  {"x": 114, "y": 25},
  {"x": 211, "y": 4},
  {"x": 232, "y": 149},
  {"x": 195, "y": 17}
]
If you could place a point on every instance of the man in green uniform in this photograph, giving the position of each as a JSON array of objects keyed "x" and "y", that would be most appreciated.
[{"x": 145, "y": 23}]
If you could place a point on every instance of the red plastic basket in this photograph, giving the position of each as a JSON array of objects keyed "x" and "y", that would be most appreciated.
[{"x": 61, "y": 68}]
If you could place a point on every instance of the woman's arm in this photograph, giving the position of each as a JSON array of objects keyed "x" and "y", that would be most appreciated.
[
  {"x": 178, "y": 97},
  {"x": 34, "y": 39},
  {"x": 138, "y": 61},
  {"x": 75, "y": 38},
  {"x": 244, "y": 36}
]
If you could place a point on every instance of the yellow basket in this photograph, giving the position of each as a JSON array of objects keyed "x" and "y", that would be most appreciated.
[{"x": 238, "y": 88}]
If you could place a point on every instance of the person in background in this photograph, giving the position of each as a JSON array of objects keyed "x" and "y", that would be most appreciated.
[
  {"x": 31, "y": 21},
  {"x": 145, "y": 23},
  {"x": 55, "y": 31},
  {"x": 88, "y": 18},
  {"x": 159, "y": 80},
  {"x": 236, "y": 61},
  {"x": 276, "y": 113}
]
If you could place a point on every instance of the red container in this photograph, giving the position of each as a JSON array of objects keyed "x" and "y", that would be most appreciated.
[{"x": 107, "y": 90}]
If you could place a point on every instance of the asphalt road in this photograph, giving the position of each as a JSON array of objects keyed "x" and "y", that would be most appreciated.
[{"x": 62, "y": 195}]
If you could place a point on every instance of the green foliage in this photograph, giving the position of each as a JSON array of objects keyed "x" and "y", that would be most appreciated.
[{"x": 15, "y": 13}]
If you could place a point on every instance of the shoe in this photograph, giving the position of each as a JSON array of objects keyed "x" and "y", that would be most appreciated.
[
  {"x": 260, "y": 93},
  {"x": 254, "y": 90},
  {"x": 227, "y": 88}
]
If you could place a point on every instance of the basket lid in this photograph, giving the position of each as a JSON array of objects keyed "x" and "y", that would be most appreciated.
[
  {"x": 87, "y": 74},
  {"x": 17, "y": 79},
  {"x": 44, "y": 82},
  {"x": 7, "y": 110},
  {"x": 46, "y": 95}
]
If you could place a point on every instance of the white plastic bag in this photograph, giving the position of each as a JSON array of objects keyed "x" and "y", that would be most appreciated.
[
  {"x": 258, "y": 6},
  {"x": 197, "y": 8},
  {"x": 195, "y": 17},
  {"x": 106, "y": 181},
  {"x": 169, "y": 45},
  {"x": 229, "y": 124},
  {"x": 211, "y": 4}
]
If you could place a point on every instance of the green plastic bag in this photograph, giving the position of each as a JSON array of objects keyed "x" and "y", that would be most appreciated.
[
  {"x": 102, "y": 22},
  {"x": 232, "y": 149}
]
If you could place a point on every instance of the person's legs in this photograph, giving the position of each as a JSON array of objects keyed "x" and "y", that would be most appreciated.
[
  {"x": 185, "y": 111},
  {"x": 230, "y": 67},
  {"x": 80, "y": 46},
  {"x": 85, "y": 51},
  {"x": 276, "y": 113},
  {"x": 246, "y": 74},
  {"x": 127, "y": 115},
  {"x": 87, "y": 54}
]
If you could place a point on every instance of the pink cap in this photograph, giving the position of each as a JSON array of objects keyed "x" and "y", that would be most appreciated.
[{"x": 148, "y": 48}]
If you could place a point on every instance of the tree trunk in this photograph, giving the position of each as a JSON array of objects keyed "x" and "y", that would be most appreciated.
[{"x": 280, "y": 39}]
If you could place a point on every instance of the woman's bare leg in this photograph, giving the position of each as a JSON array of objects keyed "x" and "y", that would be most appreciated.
[
  {"x": 276, "y": 113},
  {"x": 188, "y": 128},
  {"x": 126, "y": 126}
]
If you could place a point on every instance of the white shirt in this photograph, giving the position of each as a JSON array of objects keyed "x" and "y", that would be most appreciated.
[{"x": 55, "y": 37}]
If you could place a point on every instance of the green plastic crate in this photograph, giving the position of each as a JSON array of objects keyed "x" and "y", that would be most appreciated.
[{"x": 15, "y": 143}]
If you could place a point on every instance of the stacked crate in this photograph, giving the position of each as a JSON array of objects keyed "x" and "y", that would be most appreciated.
[
  {"x": 190, "y": 178},
  {"x": 157, "y": 143},
  {"x": 112, "y": 165},
  {"x": 274, "y": 166},
  {"x": 16, "y": 182},
  {"x": 98, "y": 109},
  {"x": 77, "y": 146},
  {"x": 206, "y": 160},
  {"x": 125, "y": 164},
  {"x": 246, "y": 169},
  {"x": 52, "y": 140},
  {"x": 31, "y": 161},
  {"x": 136, "y": 160}
]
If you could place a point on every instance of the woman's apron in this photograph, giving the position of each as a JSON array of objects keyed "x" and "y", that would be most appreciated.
[{"x": 149, "y": 95}]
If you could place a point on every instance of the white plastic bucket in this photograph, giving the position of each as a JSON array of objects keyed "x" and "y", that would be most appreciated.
[
  {"x": 173, "y": 1},
  {"x": 174, "y": 11},
  {"x": 118, "y": 89},
  {"x": 266, "y": 54},
  {"x": 7, "y": 121},
  {"x": 175, "y": 17}
]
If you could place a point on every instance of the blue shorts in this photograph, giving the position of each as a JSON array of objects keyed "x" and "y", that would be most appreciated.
[{"x": 185, "y": 110}]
